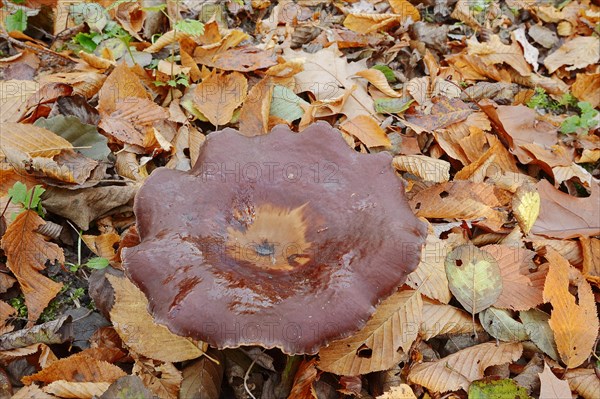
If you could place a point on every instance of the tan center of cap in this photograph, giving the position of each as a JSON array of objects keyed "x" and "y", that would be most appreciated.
[{"x": 275, "y": 238}]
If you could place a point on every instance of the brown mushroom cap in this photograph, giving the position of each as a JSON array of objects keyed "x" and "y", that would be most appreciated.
[{"x": 286, "y": 240}]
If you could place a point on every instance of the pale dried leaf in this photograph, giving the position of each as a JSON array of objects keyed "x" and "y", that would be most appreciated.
[
  {"x": 458, "y": 370},
  {"x": 138, "y": 330},
  {"x": 430, "y": 277},
  {"x": 367, "y": 130},
  {"x": 32, "y": 140},
  {"x": 499, "y": 323},
  {"x": 14, "y": 95},
  {"x": 76, "y": 390},
  {"x": 551, "y": 386},
  {"x": 584, "y": 381},
  {"x": 402, "y": 391},
  {"x": 526, "y": 206},
  {"x": 378, "y": 79},
  {"x": 393, "y": 326},
  {"x": 427, "y": 168},
  {"x": 578, "y": 52},
  {"x": 440, "y": 319}
]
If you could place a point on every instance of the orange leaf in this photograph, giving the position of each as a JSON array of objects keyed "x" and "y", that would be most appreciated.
[
  {"x": 120, "y": 84},
  {"x": 367, "y": 130},
  {"x": 254, "y": 116},
  {"x": 574, "y": 323},
  {"x": 27, "y": 252},
  {"x": 219, "y": 95},
  {"x": 404, "y": 8},
  {"x": 378, "y": 79}
]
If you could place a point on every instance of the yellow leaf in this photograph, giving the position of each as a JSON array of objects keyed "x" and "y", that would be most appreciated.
[
  {"x": 574, "y": 323},
  {"x": 367, "y": 23},
  {"x": 460, "y": 369},
  {"x": 526, "y": 206},
  {"x": 378, "y": 79},
  {"x": 138, "y": 330},
  {"x": 121, "y": 84},
  {"x": 404, "y": 8},
  {"x": 26, "y": 254},
  {"x": 13, "y": 96},
  {"x": 367, "y": 130},
  {"x": 219, "y": 95},
  {"x": 32, "y": 140},
  {"x": 393, "y": 326},
  {"x": 427, "y": 168}
]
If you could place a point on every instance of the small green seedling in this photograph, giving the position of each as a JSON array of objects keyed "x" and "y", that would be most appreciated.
[
  {"x": 582, "y": 123},
  {"x": 30, "y": 199}
]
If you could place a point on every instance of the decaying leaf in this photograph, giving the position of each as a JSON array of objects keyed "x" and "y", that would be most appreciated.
[
  {"x": 27, "y": 252},
  {"x": 367, "y": 130},
  {"x": 574, "y": 322},
  {"x": 138, "y": 330},
  {"x": 402, "y": 391},
  {"x": 380, "y": 344},
  {"x": 440, "y": 319},
  {"x": 163, "y": 379},
  {"x": 526, "y": 206},
  {"x": 378, "y": 79},
  {"x": 219, "y": 95},
  {"x": 539, "y": 331},
  {"x": 500, "y": 324},
  {"x": 497, "y": 389},
  {"x": 552, "y": 387},
  {"x": 584, "y": 381},
  {"x": 430, "y": 277},
  {"x": 474, "y": 277},
  {"x": 202, "y": 378},
  {"x": 578, "y": 52},
  {"x": 458, "y": 370},
  {"x": 303, "y": 381},
  {"x": 427, "y": 168}
]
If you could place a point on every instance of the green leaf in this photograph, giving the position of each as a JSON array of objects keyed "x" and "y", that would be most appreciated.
[
  {"x": 570, "y": 125},
  {"x": 16, "y": 21},
  {"x": 86, "y": 41},
  {"x": 97, "y": 263},
  {"x": 392, "y": 105},
  {"x": 285, "y": 104},
  {"x": 190, "y": 26},
  {"x": 18, "y": 193},
  {"x": 34, "y": 198},
  {"x": 387, "y": 71},
  {"x": 499, "y": 389}
]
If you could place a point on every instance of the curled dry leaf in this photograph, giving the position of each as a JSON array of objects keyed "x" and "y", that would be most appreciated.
[
  {"x": 304, "y": 379},
  {"x": 367, "y": 130},
  {"x": 26, "y": 254},
  {"x": 378, "y": 79},
  {"x": 526, "y": 206},
  {"x": 427, "y": 168},
  {"x": 163, "y": 379},
  {"x": 458, "y": 370},
  {"x": 444, "y": 112},
  {"x": 473, "y": 277},
  {"x": 377, "y": 346},
  {"x": 138, "y": 330},
  {"x": 575, "y": 323},
  {"x": 219, "y": 95}
]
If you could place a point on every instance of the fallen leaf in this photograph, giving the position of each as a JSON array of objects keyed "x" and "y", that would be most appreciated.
[
  {"x": 378, "y": 79},
  {"x": 138, "y": 330},
  {"x": 393, "y": 326},
  {"x": 575, "y": 323},
  {"x": 526, "y": 206},
  {"x": 254, "y": 115},
  {"x": 121, "y": 84},
  {"x": 473, "y": 277},
  {"x": 303, "y": 381},
  {"x": 32, "y": 392},
  {"x": 14, "y": 95},
  {"x": 440, "y": 319},
  {"x": 77, "y": 368},
  {"x": 26, "y": 254},
  {"x": 76, "y": 390},
  {"x": 367, "y": 130},
  {"x": 427, "y": 168},
  {"x": 430, "y": 277},
  {"x": 530, "y": 52},
  {"x": 551, "y": 386},
  {"x": 564, "y": 216},
  {"x": 584, "y": 381},
  {"x": 539, "y": 331},
  {"x": 460, "y": 369},
  {"x": 219, "y": 95},
  {"x": 521, "y": 288},
  {"x": 402, "y": 391},
  {"x": 202, "y": 378},
  {"x": 586, "y": 88},
  {"x": 443, "y": 113},
  {"x": 130, "y": 386},
  {"x": 500, "y": 324},
  {"x": 241, "y": 59},
  {"x": 578, "y": 53},
  {"x": 591, "y": 258},
  {"x": 32, "y": 140},
  {"x": 485, "y": 389},
  {"x": 494, "y": 51},
  {"x": 164, "y": 380}
]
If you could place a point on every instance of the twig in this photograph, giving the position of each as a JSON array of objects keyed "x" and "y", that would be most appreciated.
[{"x": 246, "y": 378}]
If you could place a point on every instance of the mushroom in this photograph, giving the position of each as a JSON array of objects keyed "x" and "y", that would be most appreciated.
[{"x": 286, "y": 240}]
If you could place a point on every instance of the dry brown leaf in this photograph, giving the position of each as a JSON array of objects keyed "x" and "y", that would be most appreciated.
[
  {"x": 427, "y": 168},
  {"x": 202, "y": 378},
  {"x": 521, "y": 289},
  {"x": 584, "y": 381},
  {"x": 495, "y": 52},
  {"x": 444, "y": 112},
  {"x": 551, "y": 386},
  {"x": 303, "y": 381},
  {"x": 77, "y": 368},
  {"x": 254, "y": 115},
  {"x": 76, "y": 390},
  {"x": 586, "y": 88},
  {"x": 32, "y": 140},
  {"x": 162, "y": 379},
  {"x": 364, "y": 23},
  {"x": 32, "y": 392},
  {"x": 564, "y": 216},
  {"x": 575, "y": 323},
  {"x": 591, "y": 259},
  {"x": 378, "y": 79},
  {"x": 14, "y": 95},
  {"x": 26, "y": 254},
  {"x": 393, "y": 326},
  {"x": 440, "y": 319},
  {"x": 578, "y": 52},
  {"x": 430, "y": 277},
  {"x": 138, "y": 330},
  {"x": 131, "y": 120},
  {"x": 461, "y": 200},
  {"x": 6, "y": 311},
  {"x": 526, "y": 206},
  {"x": 219, "y": 95},
  {"x": 458, "y": 370},
  {"x": 102, "y": 245},
  {"x": 367, "y": 130},
  {"x": 241, "y": 59},
  {"x": 121, "y": 84}
]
